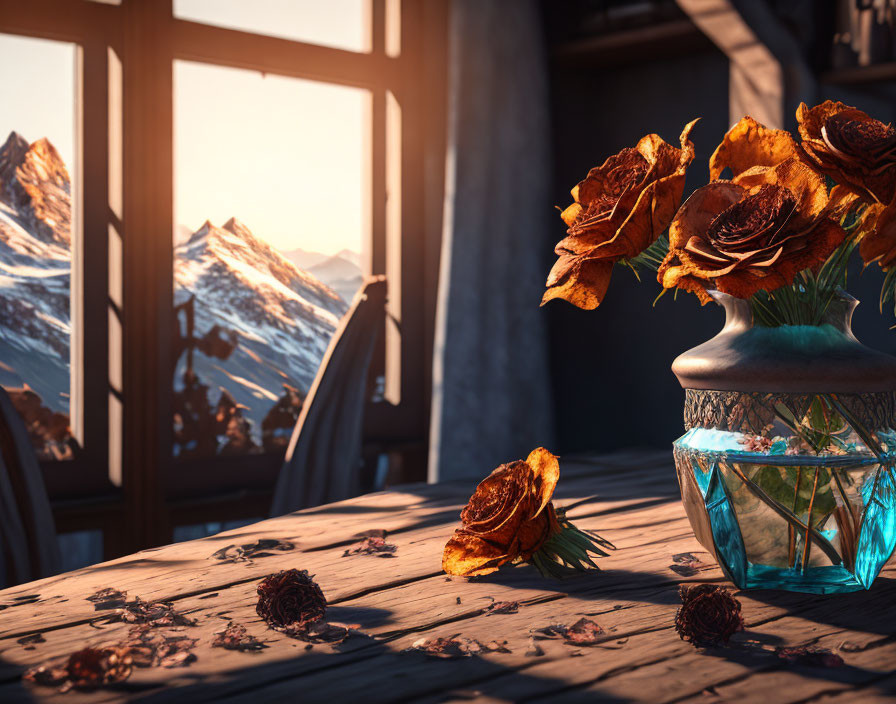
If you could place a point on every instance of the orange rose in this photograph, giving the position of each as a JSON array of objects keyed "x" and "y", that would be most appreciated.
[
  {"x": 509, "y": 517},
  {"x": 620, "y": 209},
  {"x": 754, "y": 232},
  {"x": 860, "y": 153},
  {"x": 852, "y": 148}
]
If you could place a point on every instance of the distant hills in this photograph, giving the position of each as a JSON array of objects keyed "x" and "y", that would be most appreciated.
[{"x": 340, "y": 271}]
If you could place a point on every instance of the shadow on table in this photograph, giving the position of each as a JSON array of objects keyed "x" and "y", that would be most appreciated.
[
  {"x": 756, "y": 650},
  {"x": 363, "y": 669},
  {"x": 872, "y": 611},
  {"x": 627, "y": 585},
  {"x": 12, "y": 689}
]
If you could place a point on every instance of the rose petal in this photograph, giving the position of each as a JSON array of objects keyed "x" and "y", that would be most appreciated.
[
  {"x": 878, "y": 243},
  {"x": 583, "y": 282},
  {"x": 546, "y": 471},
  {"x": 468, "y": 555},
  {"x": 748, "y": 144}
]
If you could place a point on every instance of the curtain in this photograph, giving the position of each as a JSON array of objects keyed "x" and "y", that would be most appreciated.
[{"x": 491, "y": 392}]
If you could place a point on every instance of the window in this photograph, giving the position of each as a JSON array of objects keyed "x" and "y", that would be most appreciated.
[
  {"x": 290, "y": 146},
  {"x": 37, "y": 165},
  {"x": 271, "y": 212}
]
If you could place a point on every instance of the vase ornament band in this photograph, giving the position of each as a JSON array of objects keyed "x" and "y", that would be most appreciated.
[{"x": 752, "y": 411}]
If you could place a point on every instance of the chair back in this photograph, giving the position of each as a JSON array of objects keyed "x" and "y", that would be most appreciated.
[
  {"x": 28, "y": 541},
  {"x": 323, "y": 461}
]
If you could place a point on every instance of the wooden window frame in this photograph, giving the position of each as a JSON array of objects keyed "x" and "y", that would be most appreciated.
[{"x": 126, "y": 481}]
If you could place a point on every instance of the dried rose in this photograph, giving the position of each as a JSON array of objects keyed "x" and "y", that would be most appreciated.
[
  {"x": 290, "y": 601},
  {"x": 851, "y": 147},
  {"x": 93, "y": 667},
  {"x": 752, "y": 233},
  {"x": 708, "y": 615},
  {"x": 509, "y": 516},
  {"x": 620, "y": 209}
]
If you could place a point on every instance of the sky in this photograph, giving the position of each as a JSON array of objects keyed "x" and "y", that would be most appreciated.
[
  {"x": 287, "y": 157},
  {"x": 38, "y": 79}
]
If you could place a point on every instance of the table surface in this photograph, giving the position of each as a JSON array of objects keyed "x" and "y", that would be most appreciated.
[{"x": 630, "y": 498}]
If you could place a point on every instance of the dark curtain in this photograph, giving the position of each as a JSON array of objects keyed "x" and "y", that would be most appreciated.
[{"x": 491, "y": 398}]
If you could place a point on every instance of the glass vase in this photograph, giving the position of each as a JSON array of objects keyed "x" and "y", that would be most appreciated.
[{"x": 786, "y": 467}]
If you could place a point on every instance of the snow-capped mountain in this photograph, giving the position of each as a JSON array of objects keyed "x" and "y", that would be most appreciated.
[
  {"x": 35, "y": 264},
  {"x": 280, "y": 317},
  {"x": 283, "y": 317}
]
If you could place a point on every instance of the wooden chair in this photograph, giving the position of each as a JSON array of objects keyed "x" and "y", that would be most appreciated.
[
  {"x": 27, "y": 532},
  {"x": 323, "y": 460}
]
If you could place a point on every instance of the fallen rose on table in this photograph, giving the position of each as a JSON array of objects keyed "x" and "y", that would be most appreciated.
[{"x": 510, "y": 518}]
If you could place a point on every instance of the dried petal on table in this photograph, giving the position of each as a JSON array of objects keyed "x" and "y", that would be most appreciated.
[
  {"x": 235, "y": 637},
  {"x": 456, "y": 647},
  {"x": 158, "y": 613},
  {"x": 809, "y": 656},
  {"x": 503, "y": 607},
  {"x": 264, "y": 547},
  {"x": 29, "y": 641},
  {"x": 108, "y": 598},
  {"x": 372, "y": 546},
  {"x": 688, "y": 564},
  {"x": 582, "y": 632},
  {"x": 149, "y": 647}
]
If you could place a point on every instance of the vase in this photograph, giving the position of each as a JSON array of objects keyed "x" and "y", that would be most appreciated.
[{"x": 786, "y": 467}]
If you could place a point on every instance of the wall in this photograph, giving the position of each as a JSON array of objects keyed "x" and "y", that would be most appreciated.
[{"x": 612, "y": 383}]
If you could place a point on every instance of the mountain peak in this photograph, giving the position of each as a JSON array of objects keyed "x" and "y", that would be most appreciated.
[
  {"x": 12, "y": 154},
  {"x": 35, "y": 183},
  {"x": 239, "y": 229},
  {"x": 16, "y": 141},
  {"x": 46, "y": 160}
]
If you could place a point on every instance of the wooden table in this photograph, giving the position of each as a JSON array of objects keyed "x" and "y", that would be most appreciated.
[{"x": 630, "y": 498}]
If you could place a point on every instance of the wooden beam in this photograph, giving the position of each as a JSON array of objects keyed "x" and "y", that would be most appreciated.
[
  {"x": 861, "y": 74},
  {"x": 193, "y": 41},
  {"x": 148, "y": 265},
  {"x": 756, "y": 84},
  {"x": 62, "y": 20},
  {"x": 674, "y": 38}
]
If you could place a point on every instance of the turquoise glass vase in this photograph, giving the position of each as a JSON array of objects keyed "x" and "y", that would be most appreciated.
[{"x": 787, "y": 464}]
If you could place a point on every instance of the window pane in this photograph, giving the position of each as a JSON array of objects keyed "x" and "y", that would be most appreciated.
[
  {"x": 343, "y": 24},
  {"x": 271, "y": 209},
  {"x": 37, "y": 129}
]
